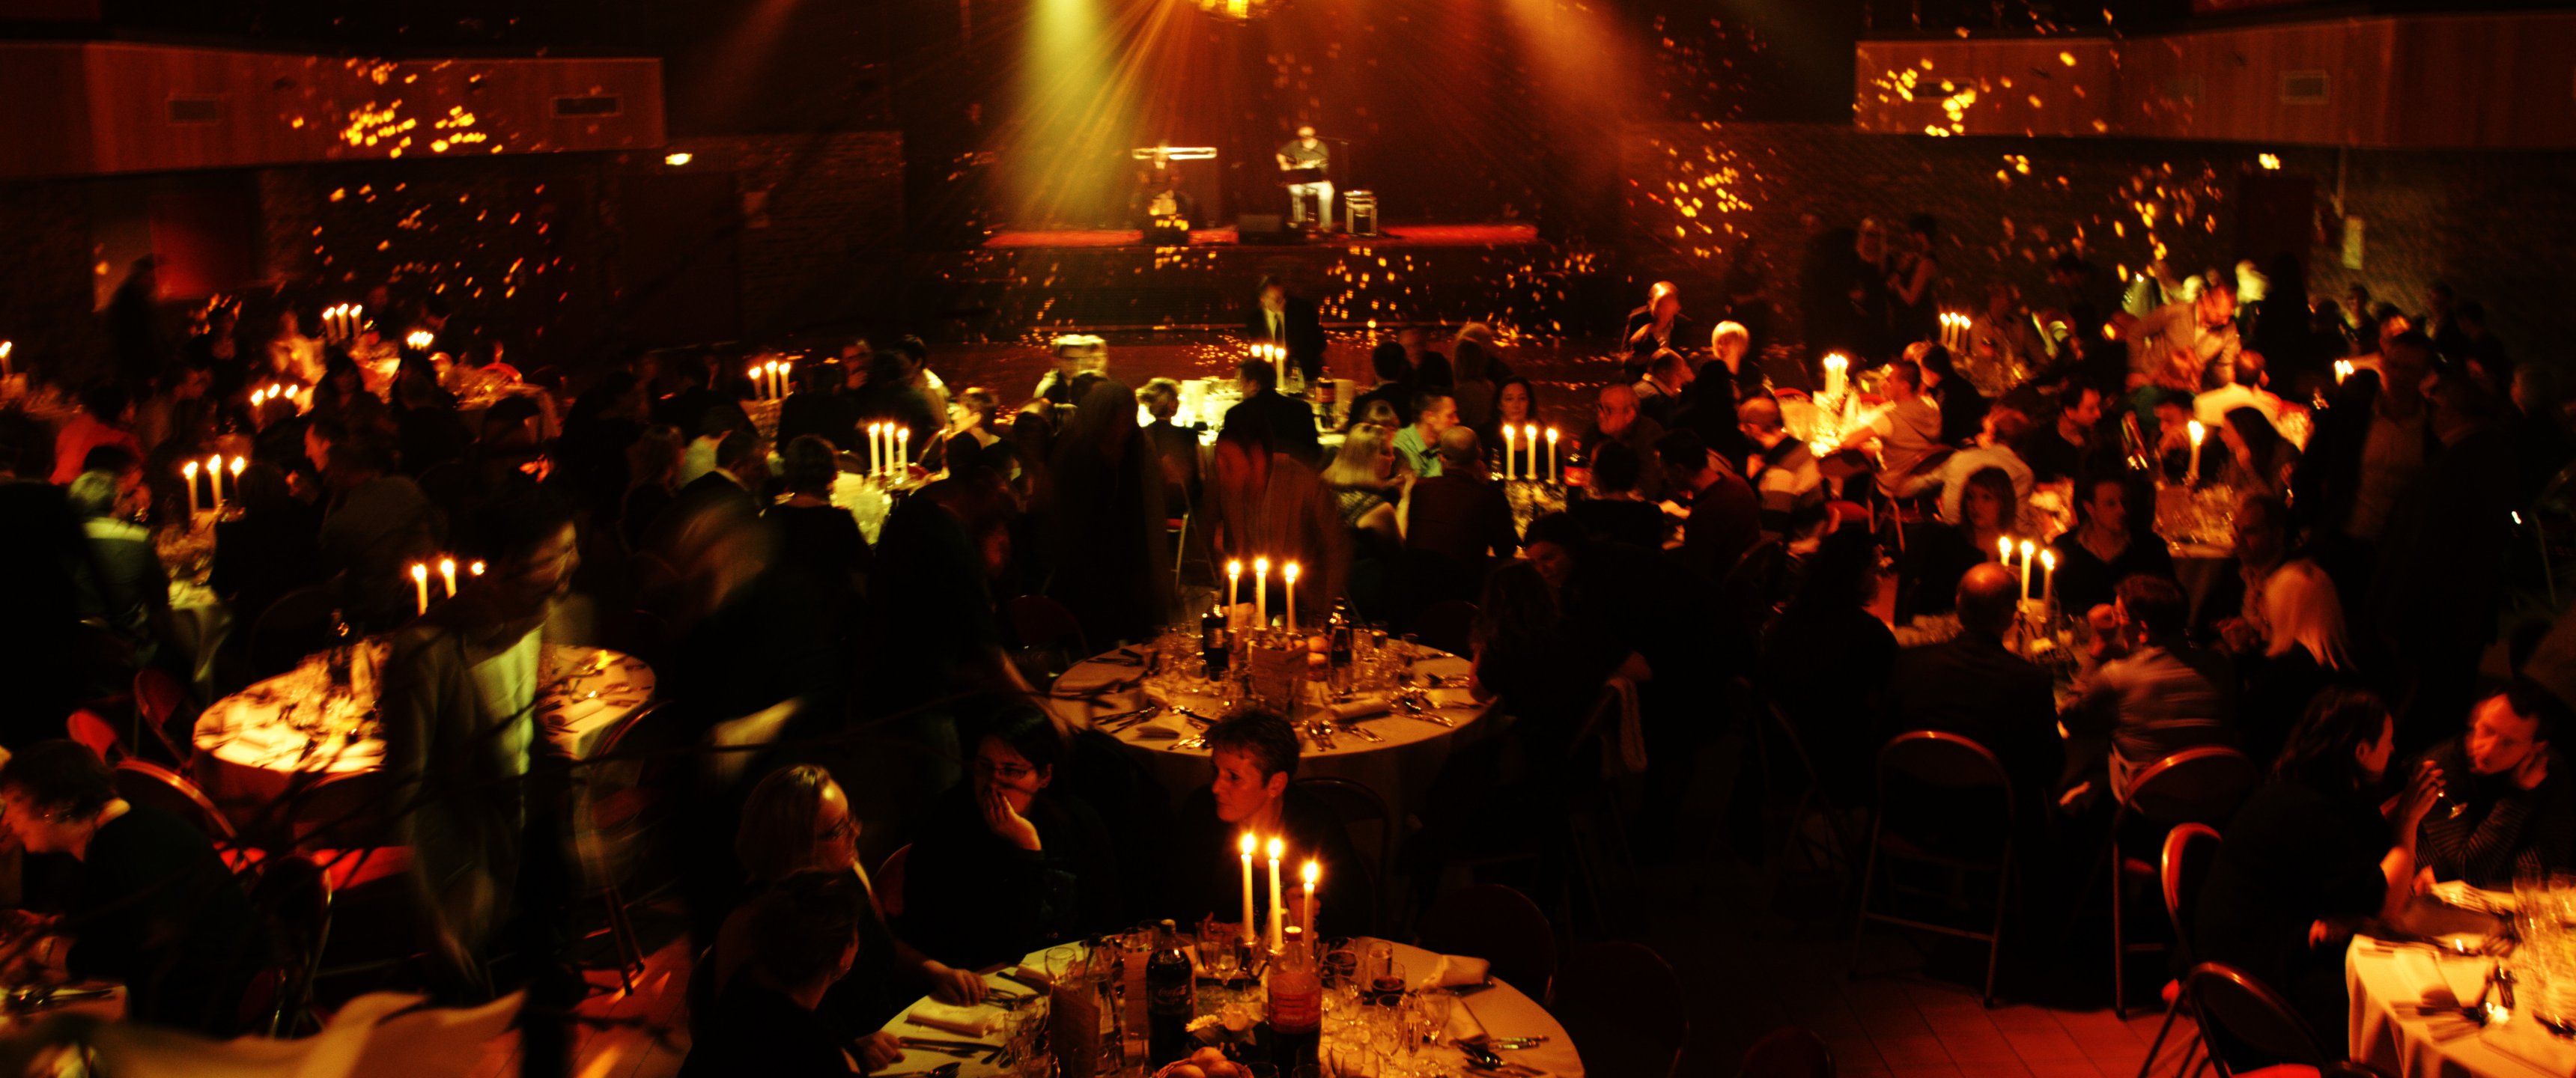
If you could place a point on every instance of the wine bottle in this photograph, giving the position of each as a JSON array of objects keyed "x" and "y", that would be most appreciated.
[
  {"x": 1172, "y": 996},
  {"x": 1213, "y": 646},
  {"x": 1296, "y": 1005}
]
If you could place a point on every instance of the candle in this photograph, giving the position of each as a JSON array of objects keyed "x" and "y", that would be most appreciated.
[
  {"x": 475, "y": 569},
  {"x": 1277, "y": 921},
  {"x": 2026, "y": 547},
  {"x": 420, "y": 586},
  {"x": 876, "y": 458},
  {"x": 2047, "y": 577},
  {"x": 1554, "y": 474},
  {"x": 1507, "y": 450},
  {"x": 215, "y": 479},
  {"x": 1835, "y": 366},
  {"x": 1311, "y": 874},
  {"x": 2003, "y": 552},
  {"x": 1233, "y": 584},
  {"x": 1288, "y": 574},
  {"x": 2343, "y": 370},
  {"x": 1247, "y": 846},
  {"x": 238, "y": 464},
  {"x": 1261, "y": 593},
  {"x": 754, "y": 375},
  {"x": 2192, "y": 477},
  {"x": 190, "y": 470},
  {"x": 447, "y": 574},
  {"x": 5, "y": 348},
  {"x": 902, "y": 450}
]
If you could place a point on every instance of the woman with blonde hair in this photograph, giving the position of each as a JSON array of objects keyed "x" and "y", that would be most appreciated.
[
  {"x": 798, "y": 820},
  {"x": 1363, "y": 482}
]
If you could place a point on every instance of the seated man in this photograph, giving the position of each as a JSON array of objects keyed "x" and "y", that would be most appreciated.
[
  {"x": 1254, "y": 758},
  {"x": 156, "y": 911},
  {"x": 1417, "y": 446},
  {"x": 1973, "y": 686},
  {"x": 2164, "y": 696},
  {"x": 805, "y": 937},
  {"x": 2508, "y": 807},
  {"x": 1460, "y": 513},
  {"x": 1725, "y": 518},
  {"x": 1668, "y": 374},
  {"x": 1784, "y": 472},
  {"x": 1908, "y": 431},
  {"x": 1616, "y": 419}
]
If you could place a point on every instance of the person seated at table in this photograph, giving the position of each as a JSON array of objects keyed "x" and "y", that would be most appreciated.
[
  {"x": 2310, "y": 855},
  {"x": 1928, "y": 574},
  {"x": 270, "y": 549},
  {"x": 1262, "y": 503},
  {"x": 1177, "y": 448},
  {"x": 1515, "y": 406},
  {"x": 1783, "y": 468},
  {"x": 1433, "y": 412},
  {"x": 1395, "y": 383},
  {"x": 1108, "y": 540},
  {"x": 1615, "y": 512},
  {"x": 131, "y": 588},
  {"x": 1002, "y": 867},
  {"x": 2164, "y": 696},
  {"x": 2106, "y": 546},
  {"x": 2064, "y": 447},
  {"x": 2258, "y": 460},
  {"x": 1725, "y": 517},
  {"x": 1963, "y": 409},
  {"x": 769, "y": 1019},
  {"x": 1825, "y": 662},
  {"x": 1907, "y": 432},
  {"x": 1974, "y": 686},
  {"x": 1364, "y": 484},
  {"x": 2511, "y": 807},
  {"x": 798, "y": 823},
  {"x": 1253, "y": 758},
  {"x": 1615, "y": 418},
  {"x": 461, "y": 738},
  {"x": 1991, "y": 446},
  {"x": 1290, "y": 423},
  {"x": 155, "y": 909},
  {"x": 378, "y": 523},
  {"x": 1459, "y": 513},
  {"x": 818, "y": 542},
  {"x": 1659, "y": 392},
  {"x": 106, "y": 417},
  {"x": 2288, "y": 637}
]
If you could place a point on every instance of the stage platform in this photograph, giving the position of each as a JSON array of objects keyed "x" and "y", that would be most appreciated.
[
  {"x": 1473, "y": 235},
  {"x": 1023, "y": 283}
]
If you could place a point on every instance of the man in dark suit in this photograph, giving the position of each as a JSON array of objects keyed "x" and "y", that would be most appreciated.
[
  {"x": 1975, "y": 687},
  {"x": 1281, "y": 319},
  {"x": 1291, "y": 424},
  {"x": 733, "y": 489}
]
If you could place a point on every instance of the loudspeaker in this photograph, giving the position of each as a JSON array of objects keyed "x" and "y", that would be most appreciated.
[{"x": 1261, "y": 228}]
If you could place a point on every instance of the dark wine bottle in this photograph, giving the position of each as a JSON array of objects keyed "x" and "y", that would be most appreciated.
[
  {"x": 1172, "y": 996},
  {"x": 1213, "y": 646}
]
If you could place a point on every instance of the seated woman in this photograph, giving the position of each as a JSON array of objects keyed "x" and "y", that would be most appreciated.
[
  {"x": 156, "y": 911},
  {"x": 1002, "y": 868},
  {"x": 1929, "y": 581},
  {"x": 2310, "y": 855},
  {"x": 770, "y": 1019},
  {"x": 797, "y": 824},
  {"x": 818, "y": 541},
  {"x": 1363, "y": 481},
  {"x": 1515, "y": 406},
  {"x": 2259, "y": 460},
  {"x": 970, "y": 419}
]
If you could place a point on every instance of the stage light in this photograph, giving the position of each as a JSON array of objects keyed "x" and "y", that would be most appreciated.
[
  {"x": 2271, "y": 162},
  {"x": 676, "y": 160}
]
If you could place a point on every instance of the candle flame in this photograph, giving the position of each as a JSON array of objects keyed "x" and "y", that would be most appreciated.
[
  {"x": 2026, "y": 547},
  {"x": 1249, "y": 844},
  {"x": 1261, "y": 567},
  {"x": 1290, "y": 571},
  {"x": 1551, "y": 436},
  {"x": 1277, "y": 848},
  {"x": 2048, "y": 559},
  {"x": 238, "y": 464},
  {"x": 2197, "y": 432},
  {"x": 447, "y": 565},
  {"x": 419, "y": 571},
  {"x": 1234, "y": 567},
  {"x": 2003, "y": 549},
  {"x": 1311, "y": 873},
  {"x": 189, "y": 469},
  {"x": 475, "y": 569}
]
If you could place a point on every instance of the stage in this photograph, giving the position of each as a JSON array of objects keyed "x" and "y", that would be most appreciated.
[{"x": 1470, "y": 235}]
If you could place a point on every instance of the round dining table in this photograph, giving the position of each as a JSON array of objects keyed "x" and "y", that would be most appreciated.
[
  {"x": 2406, "y": 998},
  {"x": 254, "y": 745},
  {"x": 1395, "y": 752},
  {"x": 1494, "y": 1010}
]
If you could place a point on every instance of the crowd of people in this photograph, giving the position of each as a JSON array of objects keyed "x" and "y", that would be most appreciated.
[{"x": 1715, "y": 553}]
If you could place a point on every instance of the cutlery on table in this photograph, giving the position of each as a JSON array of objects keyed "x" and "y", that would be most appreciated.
[{"x": 944, "y": 1070}]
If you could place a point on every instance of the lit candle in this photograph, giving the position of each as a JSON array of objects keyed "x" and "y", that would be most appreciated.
[
  {"x": 420, "y": 586},
  {"x": 876, "y": 455},
  {"x": 215, "y": 479},
  {"x": 1554, "y": 474},
  {"x": 447, "y": 574},
  {"x": 1529, "y": 460},
  {"x": 475, "y": 569},
  {"x": 190, "y": 471},
  {"x": 2192, "y": 477},
  {"x": 1835, "y": 366},
  {"x": 2003, "y": 552},
  {"x": 1233, "y": 584},
  {"x": 6, "y": 347},
  {"x": 1311, "y": 874},
  {"x": 754, "y": 374},
  {"x": 1248, "y": 844},
  {"x": 2047, "y": 577},
  {"x": 238, "y": 464},
  {"x": 1507, "y": 450},
  {"x": 902, "y": 450},
  {"x": 2026, "y": 548},
  {"x": 1260, "y": 593},
  {"x": 1277, "y": 907},
  {"x": 2343, "y": 370},
  {"x": 1288, "y": 574}
]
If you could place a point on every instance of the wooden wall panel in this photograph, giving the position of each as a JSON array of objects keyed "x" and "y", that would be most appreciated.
[
  {"x": 2228, "y": 85},
  {"x": 112, "y": 108},
  {"x": 2026, "y": 86},
  {"x": 2502, "y": 81}
]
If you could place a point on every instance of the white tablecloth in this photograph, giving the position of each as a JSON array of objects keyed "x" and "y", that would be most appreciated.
[
  {"x": 2387, "y": 1033},
  {"x": 1399, "y": 768},
  {"x": 1504, "y": 1012},
  {"x": 249, "y": 752}
]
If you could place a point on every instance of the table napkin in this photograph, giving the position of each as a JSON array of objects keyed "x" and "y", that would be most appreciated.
[
  {"x": 1361, "y": 708},
  {"x": 963, "y": 1021},
  {"x": 1459, "y": 971},
  {"x": 1463, "y": 1025}
]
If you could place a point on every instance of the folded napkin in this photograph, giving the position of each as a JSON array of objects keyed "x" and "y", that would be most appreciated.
[
  {"x": 1034, "y": 978},
  {"x": 1452, "y": 698},
  {"x": 963, "y": 1021},
  {"x": 1361, "y": 708},
  {"x": 1458, "y": 971},
  {"x": 1156, "y": 730},
  {"x": 1463, "y": 1025}
]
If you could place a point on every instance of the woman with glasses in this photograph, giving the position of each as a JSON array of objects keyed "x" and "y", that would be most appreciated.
[
  {"x": 1002, "y": 866},
  {"x": 798, "y": 822}
]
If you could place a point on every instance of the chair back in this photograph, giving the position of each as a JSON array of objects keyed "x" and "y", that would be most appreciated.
[
  {"x": 1623, "y": 1007},
  {"x": 889, "y": 881},
  {"x": 87, "y": 728},
  {"x": 2251, "y": 1014},
  {"x": 2201, "y": 785},
  {"x": 1358, "y": 808},
  {"x": 1847, "y": 514},
  {"x": 1039, "y": 622},
  {"x": 1795, "y": 1052},
  {"x": 1938, "y": 790},
  {"x": 1501, "y": 926},
  {"x": 146, "y": 783},
  {"x": 339, "y": 811},
  {"x": 2189, "y": 851},
  {"x": 158, "y": 699},
  {"x": 1449, "y": 625},
  {"x": 297, "y": 624}
]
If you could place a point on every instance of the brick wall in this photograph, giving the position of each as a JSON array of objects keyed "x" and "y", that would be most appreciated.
[
  {"x": 2495, "y": 225},
  {"x": 823, "y": 249}
]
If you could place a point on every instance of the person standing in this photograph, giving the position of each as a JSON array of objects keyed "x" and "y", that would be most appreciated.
[
  {"x": 1287, "y": 322},
  {"x": 1307, "y": 162}
]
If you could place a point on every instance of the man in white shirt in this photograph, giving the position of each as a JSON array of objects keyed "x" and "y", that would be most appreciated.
[
  {"x": 2186, "y": 345},
  {"x": 1907, "y": 430}
]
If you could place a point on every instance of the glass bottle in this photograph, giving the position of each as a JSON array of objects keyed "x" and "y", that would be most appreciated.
[
  {"x": 1172, "y": 989},
  {"x": 1296, "y": 1005},
  {"x": 1213, "y": 646}
]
